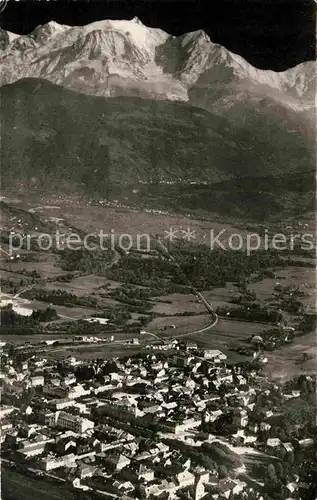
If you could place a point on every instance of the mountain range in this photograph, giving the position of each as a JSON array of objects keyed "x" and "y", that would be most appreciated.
[
  {"x": 118, "y": 103},
  {"x": 113, "y": 58}
]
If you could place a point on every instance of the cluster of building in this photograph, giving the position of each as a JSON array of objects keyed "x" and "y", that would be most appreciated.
[{"x": 147, "y": 426}]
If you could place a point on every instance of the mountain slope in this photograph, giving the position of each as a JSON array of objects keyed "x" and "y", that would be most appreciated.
[
  {"x": 114, "y": 58},
  {"x": 55, "y": 137}
]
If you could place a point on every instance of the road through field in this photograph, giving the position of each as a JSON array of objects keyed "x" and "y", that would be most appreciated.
[{"x": 196, "y": 332}]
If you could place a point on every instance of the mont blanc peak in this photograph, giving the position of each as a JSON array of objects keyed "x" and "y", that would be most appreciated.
[
  {"x": 44, "y": 32},
  {"x": 137, "y": 20}
]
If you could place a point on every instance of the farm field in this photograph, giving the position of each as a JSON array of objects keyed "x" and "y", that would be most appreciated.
[
  {"x": 221, "y": 296},
  {"x": 91, "y": 283},
  {"x": 218, "y": 297},
  {"x": 183, "y": 324},
  {"x": 81, "y": 292},
  {"x": 13, "y": 276},
  {"x": 288, "y": 362},
  {"x": 134, "y": 221},
  {"x": 177, "y": 303},
  {"x": 62, "y": 212},
  {"x": 47, "y": 267},
  {"x": 228, "y": 334},
  {"x": 302, "y": 277},
  {"x": 93, "y": 351}
]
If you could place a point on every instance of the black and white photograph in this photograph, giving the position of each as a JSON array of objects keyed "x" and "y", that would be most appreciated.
[{"x": 158, "y": 250}]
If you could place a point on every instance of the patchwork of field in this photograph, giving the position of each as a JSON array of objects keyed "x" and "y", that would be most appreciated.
[
  {"x": 101, "y": 288},
  {"x": 134, "y": 222},
  {"x": 80, "y": 292},
  {"x": 47, "y": 266},
  {"x": 177, "y": 303},
  {"x": 226, "y": 335},
  {"x": 302, "y": 277},
  {"x": 69, "y": 213}
]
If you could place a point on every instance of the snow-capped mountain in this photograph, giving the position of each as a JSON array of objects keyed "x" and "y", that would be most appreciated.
[{"x": 115, "y": 58}]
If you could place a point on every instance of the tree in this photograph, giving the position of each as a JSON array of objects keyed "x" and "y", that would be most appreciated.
[
  {"x": 279, "y": 470},
  {"x": 271, "y": 475},
  {"x": 223, "y": 472},
  {"x": 289, "y": 458}
]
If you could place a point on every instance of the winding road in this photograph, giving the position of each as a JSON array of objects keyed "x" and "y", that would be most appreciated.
[{"x": 116, "y": 258}]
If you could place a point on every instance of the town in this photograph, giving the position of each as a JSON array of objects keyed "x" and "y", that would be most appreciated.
[{"x": 182, "y": 424}]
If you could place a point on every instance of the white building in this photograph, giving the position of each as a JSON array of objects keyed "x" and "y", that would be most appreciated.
[
  {"x": 185, "y": 478},
  {"x": 214, "y": 355},
  {"x": 70, "y": 379},
  {"x": 100, "y": 321},
  {"x": 37, "y": 380},
  {"x": 35, "y": 447},
  {"x": 51, "y": 462},
  {"x": 273, "y": 442},
  {"x": 6, "y": 410},
  {"x": 175, "y": 427},
  {"x": 77, "y": 391},
  {"x": 60, "y": 404},
  {"x": 68, "y": 421},
  {"x": 241, "y": 418}
]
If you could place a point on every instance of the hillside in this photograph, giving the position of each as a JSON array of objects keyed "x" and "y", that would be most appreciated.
[
  {"x": 54, "y": 137},
  {"x": 266, "y": 198}
]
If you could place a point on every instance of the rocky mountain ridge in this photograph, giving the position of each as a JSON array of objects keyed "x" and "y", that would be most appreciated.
[{"x": 125, "y": 58}]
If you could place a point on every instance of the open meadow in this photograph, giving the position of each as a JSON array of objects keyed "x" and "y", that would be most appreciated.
[
  {"x": 176, "y": 325},
  {"x": 289, "y": 360},
  {"x": 229, "y": 334}
]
